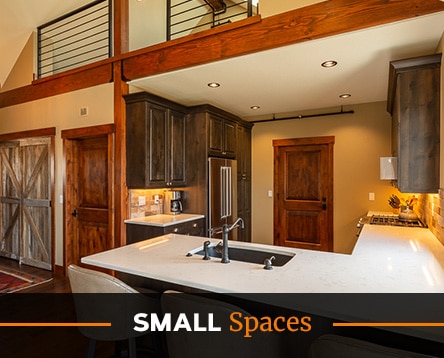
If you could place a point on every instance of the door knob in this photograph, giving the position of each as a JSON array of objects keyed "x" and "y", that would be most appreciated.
[{"x": 75, "y": 213}]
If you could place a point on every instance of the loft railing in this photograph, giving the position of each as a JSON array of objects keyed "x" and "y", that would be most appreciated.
[
  {"x": 185, "y": 17},
  {"x": 76, "y": 39}
]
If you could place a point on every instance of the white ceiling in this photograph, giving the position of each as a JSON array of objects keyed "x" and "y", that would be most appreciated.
[
  {"x": 283, "y": 80},
  {"x": 290, "y": 79}
]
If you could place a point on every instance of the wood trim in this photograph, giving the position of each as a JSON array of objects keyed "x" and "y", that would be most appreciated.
[
  {"x": 84, "y": 132},
  {"x": 312, "y": 22},
  {"x": 43, "y": 132},
  {"x": 68, "y": 82},
  {"x": 303, "y": 141},
  {"x": 121, "y": 193},
  {"x": 59, "y": 270}
]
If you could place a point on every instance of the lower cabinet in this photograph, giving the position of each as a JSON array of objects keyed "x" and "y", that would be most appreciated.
[{"x": 138, "y": 232}]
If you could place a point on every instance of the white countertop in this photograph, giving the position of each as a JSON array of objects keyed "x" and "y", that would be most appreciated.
[
  {"x": 164, "y": 220},
  {"x": 385, "y": 259}
]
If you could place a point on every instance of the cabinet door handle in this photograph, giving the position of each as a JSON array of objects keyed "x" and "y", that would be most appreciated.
[{"x": 75, "y": 213}]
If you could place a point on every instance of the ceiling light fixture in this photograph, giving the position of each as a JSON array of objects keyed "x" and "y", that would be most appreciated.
[
  {"x": 255, "y": 107},
  {"x": 345, "y": 95},
  {"x": 213, "y": 84},
  {"x": 329, "y": 63}
]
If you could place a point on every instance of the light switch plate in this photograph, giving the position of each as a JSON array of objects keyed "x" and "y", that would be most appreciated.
[{"x": 142, "y": 200}]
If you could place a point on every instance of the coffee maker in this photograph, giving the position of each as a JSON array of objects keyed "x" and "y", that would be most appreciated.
[{"x": 172, "y": 203}]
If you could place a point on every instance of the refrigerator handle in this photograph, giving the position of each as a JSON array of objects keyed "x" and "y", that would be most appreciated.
[
  {"x": 225, "y": 193},
  {"x": 229, "y": 191}
]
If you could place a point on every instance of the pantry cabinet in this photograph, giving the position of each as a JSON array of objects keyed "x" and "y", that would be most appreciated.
[
  {"x": 210, "y": 125},
  {"x": 155, "y": 142},
  {"x": 414, "y": 103}
]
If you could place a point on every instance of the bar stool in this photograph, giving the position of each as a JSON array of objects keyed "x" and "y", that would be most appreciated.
[{"x": 117, "y": 309}]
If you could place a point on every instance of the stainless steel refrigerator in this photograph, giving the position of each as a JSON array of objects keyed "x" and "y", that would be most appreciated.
[{"x": 222, "y": 194}]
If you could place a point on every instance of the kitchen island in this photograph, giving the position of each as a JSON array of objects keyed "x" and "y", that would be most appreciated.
[
  {"x": 384, "y": 260},
  {"x": 387, "y": 260}
]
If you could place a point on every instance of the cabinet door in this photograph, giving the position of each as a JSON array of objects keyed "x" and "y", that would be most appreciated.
[
  {"x": 418, "y": 142},
  {"x": 243, "y": 156},
  {"x": 177, "y": 150},
  {"x": 157, "y": 128},
  {"x": 221, "y": 137},
  {"x": 229, "y": 139}
]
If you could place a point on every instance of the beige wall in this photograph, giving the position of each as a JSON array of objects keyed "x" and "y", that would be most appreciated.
[
  {"x": 360, "y": 140},
  {"x": 273, "y": 7},
  {"x": 22, "y": 72},
  {"x": 63, "y": 113}
]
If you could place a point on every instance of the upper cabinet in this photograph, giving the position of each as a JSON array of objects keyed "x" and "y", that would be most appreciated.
[
  {"x": 414, "y": 103},
  {"x": 155, "y": 142},
  {"x": 221, "y": 136}
]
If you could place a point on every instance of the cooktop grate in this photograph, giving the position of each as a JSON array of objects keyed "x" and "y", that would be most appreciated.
[{"x": 394, "y": 221}]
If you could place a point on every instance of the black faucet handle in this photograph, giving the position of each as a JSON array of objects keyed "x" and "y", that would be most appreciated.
[{"x": 206, "y": 249}]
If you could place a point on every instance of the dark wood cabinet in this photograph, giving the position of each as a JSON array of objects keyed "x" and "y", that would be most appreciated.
[
  {"x": 243, "y": 156},
  {"x": 208, "y": 125},
  {"x": 221, "y": 136},
  {"x": 414, "y": 103},
  {"x": 155, "y": 142},
  {"x": 137, "y": 232}
]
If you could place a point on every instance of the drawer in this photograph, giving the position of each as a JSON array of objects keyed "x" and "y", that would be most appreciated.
[{"x": 194, "y": 228}]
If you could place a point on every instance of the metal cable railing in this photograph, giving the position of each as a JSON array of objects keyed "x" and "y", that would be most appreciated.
[
  {"x": 185, "y": 17},
  {"x": 76, "y": 39}
]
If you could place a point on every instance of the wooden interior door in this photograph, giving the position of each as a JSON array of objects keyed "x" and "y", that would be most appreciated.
[
  {"x": 26, "y": 168},
  {"x": 88, "y": 193},
  {"x": 303, "y": 186}
]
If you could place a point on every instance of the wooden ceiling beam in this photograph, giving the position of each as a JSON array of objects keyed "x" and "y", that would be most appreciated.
[
  {"x": 254, "y": 34},
  {"x": 308, "y": 23}
]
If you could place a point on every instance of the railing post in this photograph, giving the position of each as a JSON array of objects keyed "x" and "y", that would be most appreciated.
[
  {"x": 168, "y": 29},
  {"x": 250, "y": 8}
]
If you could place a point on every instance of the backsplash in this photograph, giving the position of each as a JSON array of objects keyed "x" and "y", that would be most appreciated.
[
  {"x": 430, "y": 209},
  {"x": 142, "y": 202}
]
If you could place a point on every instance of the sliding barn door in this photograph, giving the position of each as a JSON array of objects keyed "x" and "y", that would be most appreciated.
[{"x": 26, "y": 201}]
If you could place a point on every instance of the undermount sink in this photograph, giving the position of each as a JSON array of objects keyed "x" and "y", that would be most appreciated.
[{"x": 248, "y": 255}]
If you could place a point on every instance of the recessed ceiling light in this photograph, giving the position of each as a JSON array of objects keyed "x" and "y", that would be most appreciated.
[
  {"x": 345, "y": 95},
  {"x": 329, "y": 63},
  {"x": 213, "y": 84},
  {"x": 255, "y": 107}
]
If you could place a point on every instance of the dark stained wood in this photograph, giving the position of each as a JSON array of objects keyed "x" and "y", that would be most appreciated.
[
  {"x": 88, "y": 192},
  {"x": 308, "y": 23},
  {"x": 414, "y": 102},
  {"x": 155, "y": 143},
  {"x": 137, "y": 233},
  {"x": 243, "y": 156},
  {"x": 203, "y": 132},
  {"x": 221, "y": 136},
  {"x": 303, "y": 187}
]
